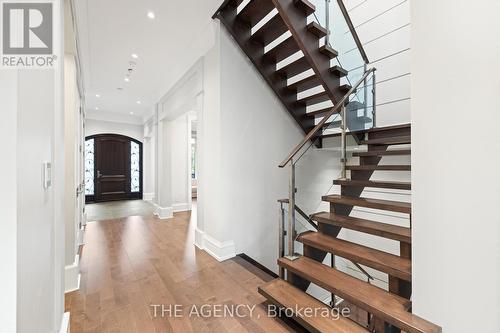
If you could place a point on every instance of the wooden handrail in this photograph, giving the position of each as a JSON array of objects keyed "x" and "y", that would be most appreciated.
[
  {"x": 354, "y": 33},
  {"x": 316, "y": 128}
]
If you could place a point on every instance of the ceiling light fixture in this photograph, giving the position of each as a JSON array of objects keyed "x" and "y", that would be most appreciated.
[
  {"x": 131, "y": 113},
  {"x": 138, "y": 102},
  {"x": 151, "y": 15},
  {"x": 134, "y": 55},
  {"x": 98, "y": 96},
  {"x": 96, "y": 108},
  {"x": 127, "y": 79}
]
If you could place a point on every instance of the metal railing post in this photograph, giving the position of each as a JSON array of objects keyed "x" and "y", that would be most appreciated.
[
  {"x": 343, "y": 143},
  {"x": 365, "y": 92},
  {"x": 291, "y": 213},
  {"x": 327, "y": 22},
  {"x": 374, "y": 102},
  {"x": 332, "y": 303},
  {"x": 281, "y": 241}
]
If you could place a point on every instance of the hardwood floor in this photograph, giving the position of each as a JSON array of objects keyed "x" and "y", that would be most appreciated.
[{"x": 131, "y": 263}]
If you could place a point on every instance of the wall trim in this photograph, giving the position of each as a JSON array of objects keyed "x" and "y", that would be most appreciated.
[
  {"x": 198, "y": 238},
  {"x": 258, "y": 265},
  {"x": 65, "y": 323},
  {"x": 148, "y": 196},
  {"x": 72, "y": 276},
  {"x": 181, "y": 207},
  {"x": 164, "y": 213},
  {"x": 219, "y": 250},
  {"x": 80, "y": 238}
]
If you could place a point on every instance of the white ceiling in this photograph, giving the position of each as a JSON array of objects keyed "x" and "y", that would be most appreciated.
[{"x": 109, "y": 31}]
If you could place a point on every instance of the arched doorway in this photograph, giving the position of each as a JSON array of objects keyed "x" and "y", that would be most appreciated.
[{"x": 113, "y": 168}]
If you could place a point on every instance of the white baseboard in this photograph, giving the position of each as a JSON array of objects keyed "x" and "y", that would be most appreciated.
[
  {"x": 181, "y": 207},
  {"x": 72, "y": 276},
  {"x": 164, "y": 213},
  {"x": 65, "y": 323},
  {"x": 219, "y": 250},
  {"x": 80, "y": 238},
  {"x": 198, "y": 238},
  {"x": 148, "y": 196}
]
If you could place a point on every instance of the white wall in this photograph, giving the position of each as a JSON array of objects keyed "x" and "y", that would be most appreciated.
[
  {"x": 8, "y": 202},
  {"x": 93, "y": 126},
  {"x": 71, "y": 143},
  {"x": 149, "y": 149},
  {"x": 456, "y": 221},
  {"x": 256, "y": 134},
  {"x": 383, "y": 27}
]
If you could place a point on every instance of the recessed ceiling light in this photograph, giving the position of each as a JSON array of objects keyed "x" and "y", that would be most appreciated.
[
  {"x": 151, "y": 15},
  {"x": 127, "y": 79},
  {"x": 96, "y": 108},
  {"x": 135, "y": 56},
  {"x": 131, "y": 113},
  {"x": 138, "y": 102},
  {"x": 97, "y": 95}
]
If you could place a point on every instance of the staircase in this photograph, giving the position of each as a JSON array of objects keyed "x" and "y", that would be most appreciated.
[
  {"x": 389, "y": 310},
  {"x": 281, "y": 65},
  {"x": 282, "y": 44}
]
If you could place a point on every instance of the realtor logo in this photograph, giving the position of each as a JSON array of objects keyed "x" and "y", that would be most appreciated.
[
  {"x": 27, "y": 34},
  {"x": 27, "y": 28}
]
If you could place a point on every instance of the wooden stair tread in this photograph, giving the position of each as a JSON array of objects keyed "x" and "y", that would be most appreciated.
[
  {"x": 285, "y": 295},
  {"x": 328, "y": 51},
  {"x": 382, "y": 261},
  {"x": 319, "y": 113},
  {"x": 273, "y": 28},
  {"x": 255, "y": 11},
  {"x": 317, "y": 29},
  {"x": 283, "y": 50},
  {"x": 366, "y": 226},
  {"x": 387, "y": 306},
  {"x": 391, "y": 127},
  {"x": 397, "y": 140},
  {"x": 298, "y": 66},
  {"x": 371, "y": 183},
  {"x": 306, "y": 6},
  {"x": 379, "y": 167},
  {"x": 315, "y": 98},
  {"x": 395, "y": 152},
  {"x": 339, "y": 71},
  {"x": 394, "y": 206},
  {"x": 305, "y": 83}
]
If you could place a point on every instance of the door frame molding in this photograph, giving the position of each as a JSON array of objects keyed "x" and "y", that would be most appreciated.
[{"x": 131, "y": 196}]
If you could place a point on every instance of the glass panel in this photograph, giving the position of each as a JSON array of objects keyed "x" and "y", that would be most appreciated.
[
  {"x": 193, "y": 158},
  {"x": 320, "y": 14},
  {"x": 89, "y": 167},
  {"x": 359, "y": 110},
  {"x": 135, "y": 168},
  {"x": 342, "y": 40}
]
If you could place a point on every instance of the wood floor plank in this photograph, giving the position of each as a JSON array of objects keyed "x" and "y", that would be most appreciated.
[{"x": 128, "y": 264}]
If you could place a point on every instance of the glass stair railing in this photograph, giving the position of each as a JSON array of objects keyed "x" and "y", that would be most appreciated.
[{"x": 342, "y": 37}]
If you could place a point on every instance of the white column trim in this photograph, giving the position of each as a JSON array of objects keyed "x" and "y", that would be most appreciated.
[
  {"x": 217, "y": 249},
  {"x": 72, "y": 276}
]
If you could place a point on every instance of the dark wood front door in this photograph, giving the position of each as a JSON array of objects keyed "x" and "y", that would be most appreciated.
[{"x": 117, "y": 168}]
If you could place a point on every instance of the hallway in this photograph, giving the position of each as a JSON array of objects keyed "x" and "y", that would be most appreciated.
[
  {"x": 118, "y": 209},
  {"x": 130, "y": 263}
]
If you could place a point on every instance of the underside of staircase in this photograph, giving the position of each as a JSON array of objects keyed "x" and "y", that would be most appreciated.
[
  {"x": 270, "y": 32},
  {"x": 285, "y": 49}
]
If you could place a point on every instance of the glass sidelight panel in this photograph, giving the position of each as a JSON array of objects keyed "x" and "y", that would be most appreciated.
[
  {"x": 89, "y": 167},
  {"x": 135, "y": 167}
]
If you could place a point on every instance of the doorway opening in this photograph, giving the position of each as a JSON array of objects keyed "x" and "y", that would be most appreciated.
[{"x": 113, "y": 168}]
